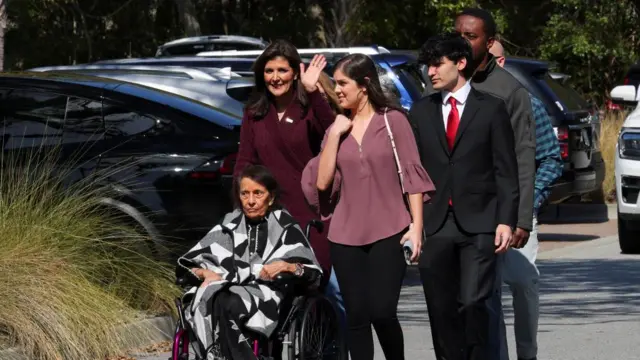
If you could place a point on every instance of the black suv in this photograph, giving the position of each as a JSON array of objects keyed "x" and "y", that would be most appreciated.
[
  {"x": 633, "y": 76},
  {"x": 577, "y": 126},
  {"x": 167, "y": 159}
]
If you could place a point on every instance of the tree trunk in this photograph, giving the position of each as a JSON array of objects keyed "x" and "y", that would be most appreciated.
[
  {"x": 3, "y": 26},
  {"x": 316, "y": 15},
  {"x": 187, "y": 12}
]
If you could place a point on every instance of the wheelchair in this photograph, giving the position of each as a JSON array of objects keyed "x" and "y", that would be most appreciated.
[{"x": 308, "y": 326}]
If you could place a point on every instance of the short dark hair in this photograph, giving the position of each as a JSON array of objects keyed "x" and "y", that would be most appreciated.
[
  {"x": 490, "y": 27},
  {"x": 450, "y": 45},
  {"x": 262, "y": 176},
  {"x": 260, "y": 101}
]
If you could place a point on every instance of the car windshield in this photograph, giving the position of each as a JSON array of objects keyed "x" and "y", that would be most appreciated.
[{"x": 570, "y": 99}]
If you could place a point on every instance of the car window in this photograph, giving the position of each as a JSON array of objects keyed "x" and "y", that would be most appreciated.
[
  {"x": 568, "y": 97},
  {"x": 32, "y": 118},
  {"x": 218, "y": 117},
  {"x": 222, "y": 46},
  {"x": 411, "y": 79},
  {"x": 187, "y": 49},
  {"x": 388, "y": 86},
  {"x": 83, "y": 121},
  {"x": 122, "y": 122}
]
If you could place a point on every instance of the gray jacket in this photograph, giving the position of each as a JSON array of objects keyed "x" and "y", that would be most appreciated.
[{"x": 498, "y": 82}]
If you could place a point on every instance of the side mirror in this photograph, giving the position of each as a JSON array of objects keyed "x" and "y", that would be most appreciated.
[{"x": 624, "y": 95}]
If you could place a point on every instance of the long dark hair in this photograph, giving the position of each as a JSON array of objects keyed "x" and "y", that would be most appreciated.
[
  {"x": 262, "y": 176},
  {"x": 258, "y": 104},
  {"x": 362, "y": 70}
]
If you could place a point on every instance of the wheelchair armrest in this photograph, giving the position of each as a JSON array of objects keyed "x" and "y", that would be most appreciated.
[
  {"x": 188, "y": 279},
  {"x": 287, "y": 281},
  {"x": 316, "y": 224}
]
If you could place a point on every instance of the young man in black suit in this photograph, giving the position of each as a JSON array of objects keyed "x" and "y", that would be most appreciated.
[{"x": 466, "y": 144}]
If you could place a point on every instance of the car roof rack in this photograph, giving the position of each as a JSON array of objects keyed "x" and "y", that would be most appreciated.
[
  {"x": 367, "y": 50},
  {"x": 205, "y": 38}
]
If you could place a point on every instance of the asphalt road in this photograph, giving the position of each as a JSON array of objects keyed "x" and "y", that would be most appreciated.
[{"x": 590, "y": 306}]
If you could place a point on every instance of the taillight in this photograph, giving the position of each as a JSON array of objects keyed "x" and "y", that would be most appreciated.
[
  {"x": 228, "y": 163},
  {"x": 563, "y": 137},
  {"x": 564, "y": 150},
  {"x": 626, "y": 81},
  {"x": 204, "y": 175},
  {"x": 563, "y": 134}
]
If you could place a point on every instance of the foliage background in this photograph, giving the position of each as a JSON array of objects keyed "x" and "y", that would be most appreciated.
[{"x": 593, "y": 40}]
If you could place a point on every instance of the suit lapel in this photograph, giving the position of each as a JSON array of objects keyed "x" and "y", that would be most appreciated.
[
  {"x": 438, "y": 122},
  {"x": 470, "y": 109}
]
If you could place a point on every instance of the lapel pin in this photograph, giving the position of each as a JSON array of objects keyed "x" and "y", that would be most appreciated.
[{"x": 289, "y": 120}]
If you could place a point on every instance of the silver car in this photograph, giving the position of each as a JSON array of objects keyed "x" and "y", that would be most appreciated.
[
  {"x": 219, "y": 88},
  {"x": 196, "y": 44}
]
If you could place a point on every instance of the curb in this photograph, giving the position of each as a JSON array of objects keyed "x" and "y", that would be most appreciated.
[
  {"x": 573, "y": 250},
  {"x": 155, "y": 330},
  {"x": 578, "y": 213}
]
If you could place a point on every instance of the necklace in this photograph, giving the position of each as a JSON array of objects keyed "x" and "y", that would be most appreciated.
[{"x": 253, "y": 238}]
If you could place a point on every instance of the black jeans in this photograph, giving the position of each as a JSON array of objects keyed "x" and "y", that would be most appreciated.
[{"x": 370, "y": 278}]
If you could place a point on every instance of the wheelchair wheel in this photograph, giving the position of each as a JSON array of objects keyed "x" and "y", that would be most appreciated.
[{"x": 315, "y": 333}]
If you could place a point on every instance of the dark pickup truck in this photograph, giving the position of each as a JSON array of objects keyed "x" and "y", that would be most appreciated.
[{"x": 577, "y": 126}]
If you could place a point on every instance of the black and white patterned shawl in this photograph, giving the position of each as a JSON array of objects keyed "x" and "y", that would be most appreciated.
[{"x": 228, "y": 256}]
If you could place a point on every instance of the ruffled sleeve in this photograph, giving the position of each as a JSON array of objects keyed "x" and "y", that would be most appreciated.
[
  {"x": 321, "y": 202},
  {"x": 416, "y": 179}
]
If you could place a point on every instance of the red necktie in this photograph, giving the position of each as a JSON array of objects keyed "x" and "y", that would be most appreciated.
[
  {"x": 452, "y": 125},
  {"x": 452, "y": 122}
]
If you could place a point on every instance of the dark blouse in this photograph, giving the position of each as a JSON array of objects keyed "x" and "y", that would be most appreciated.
[{"x": 284, "y": 147}]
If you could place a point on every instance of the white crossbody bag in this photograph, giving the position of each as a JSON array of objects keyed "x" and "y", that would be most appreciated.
[{"x": 408, "y": 246}]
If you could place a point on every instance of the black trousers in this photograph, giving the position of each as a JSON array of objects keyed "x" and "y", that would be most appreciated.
[
  {"x": 458, "y": 272},
  {"x": 370, "y": 278},
  {"x": 228, "y": 309}
]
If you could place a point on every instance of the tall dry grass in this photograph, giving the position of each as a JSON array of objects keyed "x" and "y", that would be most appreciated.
[
  {"x": 610, "y": 128},
  {"x": 70, "y": 275}
]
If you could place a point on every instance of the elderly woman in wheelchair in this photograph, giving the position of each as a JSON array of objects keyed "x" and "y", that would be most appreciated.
[{"x": 235, "y": 268}]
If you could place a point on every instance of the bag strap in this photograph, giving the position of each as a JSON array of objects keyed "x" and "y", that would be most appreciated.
[{"x": 395, "y": 151}]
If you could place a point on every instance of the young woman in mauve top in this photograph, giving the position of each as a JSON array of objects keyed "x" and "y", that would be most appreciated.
[
  {"x": 282, "y": 129},
  {"x": 370, "y": 221}
]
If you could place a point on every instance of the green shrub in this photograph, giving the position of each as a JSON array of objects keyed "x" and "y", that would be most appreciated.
[
  {"x": 70, "y": 274},
  {"x": 611, "y": 124}
]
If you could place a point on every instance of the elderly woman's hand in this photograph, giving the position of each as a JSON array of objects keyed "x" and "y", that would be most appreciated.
[
  {"x": 270, "y": 271},
  {"x": 207, "y": 276}
]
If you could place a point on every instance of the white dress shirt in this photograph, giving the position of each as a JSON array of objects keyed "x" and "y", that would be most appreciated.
[{"x": 460, "y": 95}]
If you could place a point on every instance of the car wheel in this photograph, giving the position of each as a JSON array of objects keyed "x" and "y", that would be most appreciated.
[{"x": 629, "y": 239}]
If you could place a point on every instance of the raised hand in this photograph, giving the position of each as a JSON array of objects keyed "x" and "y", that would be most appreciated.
[{"x": 310, "y": 76}]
